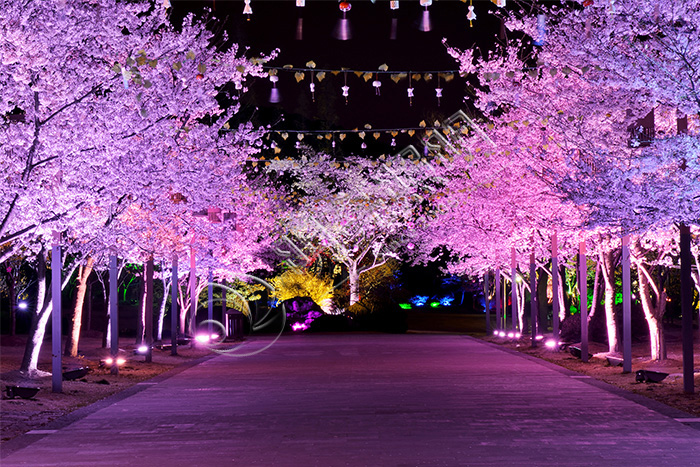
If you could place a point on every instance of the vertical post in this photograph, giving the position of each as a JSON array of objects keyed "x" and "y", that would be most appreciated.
[
  {"x": 56, "y": 362},
  {"x": 148, "y": 315},
  {"x": 193, "y": 292},
  {"x": 497, "y": 283},
  {"x": 686, "y": 311},
  {"x": 555, "y": 288},
  {"x": 113, "y": 312},
  {"x": 533, "y": 301},
  {"x": 173, "y": 308},
  {"x": 210, "y": 303},
  {"x": 626, "y": 307},
  {"x": 513, "y": 291},
  {"x": 487, "y": 305},
  {"x": 583, "y": 292}
]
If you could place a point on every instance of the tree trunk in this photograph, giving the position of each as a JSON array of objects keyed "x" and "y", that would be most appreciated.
[
  {"x": 542, "y": 302},
  {"x": 74, "y": 335},
  {"x": 39, "y": 320},
  {"x": 163, "y": 305},
  {"x": 654, "y": 305},
  {"x": 608, "y": 270},
  {"x": 354, "y": 280},
  {"x": 521, "y": 306},
  {"x": 596, "y": 291},
  {"x": 564, "y": 303},
  {"x": 10, "y": 279}
]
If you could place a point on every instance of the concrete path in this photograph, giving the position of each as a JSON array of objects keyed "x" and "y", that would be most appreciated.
[{"x": 367, "y": 400}]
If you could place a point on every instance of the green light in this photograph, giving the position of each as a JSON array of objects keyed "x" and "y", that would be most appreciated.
[
  {"x": 405, "y": 306},
  {"x": 434, "y": 304}
]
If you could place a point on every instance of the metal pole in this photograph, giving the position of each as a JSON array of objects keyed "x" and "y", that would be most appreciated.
[
  {"x": 148, "y": 315},
  {"x": 497, "y": 283},
  {"x": 210, "y": 303},
  {"x": 193, "y": 293},
  {"x": 583, "y": 292},
  {"x": 486, "y": 302},
  {"x": 113, "y": 313},
  {"x": 555, "y": 288},
  {"x": 533, "y": 301},
  {"x": 513, "y": 291},
  {"x": 173, "y": 308},
  {"x": 626, "y": 307},
  {"x": 686, "y": 311},
  {"x": 56, "y": 362}
]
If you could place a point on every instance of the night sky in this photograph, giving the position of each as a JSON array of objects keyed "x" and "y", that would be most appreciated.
[{"x": 273, "y": 25}]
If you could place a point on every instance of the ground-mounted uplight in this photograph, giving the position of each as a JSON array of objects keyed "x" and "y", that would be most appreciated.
[
  {"x": 434, "y": 304},
  {"x": 495, "y": 332},
  {"x": 539, "y": 337},
  {"x": 518, "y": 335},
  {"x": 22, "y": 305},
  {"x": 405, "y": 306},
  {"x": 551, "y": 344},
  {"x": 299, "y": 326},
  {"x": 511, "y": 335},
  {"x": 109, "y": 361},
  {"x": 142, "y": 350},
  {"x": 501, "y": 334}
]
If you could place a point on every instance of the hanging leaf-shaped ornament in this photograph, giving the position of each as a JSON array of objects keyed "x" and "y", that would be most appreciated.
[
  {"x": 284, "y": 136},
  {"x": 411, "y": 132},
  {"x": 342, "y": 136},
  {"x": 383, "y": 67},
  {"x": 299, "y": 75},
  {"x": 310, "y": 64},
  {"x": 361, "y": 134},
  {"x": 320, "y": 76},
  {"x": 376, "y": 135}
]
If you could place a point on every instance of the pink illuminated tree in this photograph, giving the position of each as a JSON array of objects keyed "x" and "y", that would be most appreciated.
[
  {"x": 107, "y": 107},
  {"x": 360, "y": 210}
]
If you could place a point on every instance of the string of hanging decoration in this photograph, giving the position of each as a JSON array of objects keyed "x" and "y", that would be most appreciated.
[{"x": 375, "y": 76}]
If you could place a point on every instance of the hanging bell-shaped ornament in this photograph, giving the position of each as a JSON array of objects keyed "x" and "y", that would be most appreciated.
[
  {"x": 363, "y": 145},
  {"x": 471, "y": 15},
  {"x": 377, "y": 85},
  {"x": 346, "y": 92},
  {"x": 274, "y": 92},
  {"x": 438, "y": 94},
  {"x": 312, "y": 87},
  {"x": 424, "y": 24},
  {"x": 247, "y": 10},
  {"x": 410, "y": 96},
  {"x": 342, "y": 29}
]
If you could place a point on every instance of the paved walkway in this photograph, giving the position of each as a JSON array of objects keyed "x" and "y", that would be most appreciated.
[{"x": 368, "y": 400}]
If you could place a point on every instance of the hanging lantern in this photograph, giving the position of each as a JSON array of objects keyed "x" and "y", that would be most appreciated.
[
  {"x": 541, "y": 29},
  {"x": 471, "y": 16},
  {"x": 377, "y": 84},
  {"x": 342, "y": 29},
  {"x": 410, "y": 96},
  {"x": 300, "y": 21},
  {"x": 438, "y": 94},
  {"x": 424, "y": 24},
  {"x": 363, "y": 145},
  {"x": 346, "y": 91},
  {"x": 312, "y": 87},
  {"x": 274, "y": 93},
  {"x": 247, "y": 10},
  {"x": 394, "y": 5},
  {"x": 393, "y": 142}
]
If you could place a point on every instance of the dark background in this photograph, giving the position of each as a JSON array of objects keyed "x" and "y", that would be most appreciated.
[{"x": 273, "y": 25}]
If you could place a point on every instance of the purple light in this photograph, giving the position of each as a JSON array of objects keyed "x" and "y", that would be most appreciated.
[
  {"x": 495, "y": 333},
  {"x": 511, "y": 335},
  {"x": 551, "y": 343},
  {"x": 502, "y": 334},
  {"x": 517, "y": 335},
  {"x": 142, "y": 349},
  {"x": 539, "y": 337},
  {"x": 202, "y": 338},
  {"x": 299, "y": 326}
]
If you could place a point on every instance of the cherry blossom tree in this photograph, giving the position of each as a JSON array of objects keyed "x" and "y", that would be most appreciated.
[
  {"x": 107, "y": 106},
  {"x": 363, "y": 211}
]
